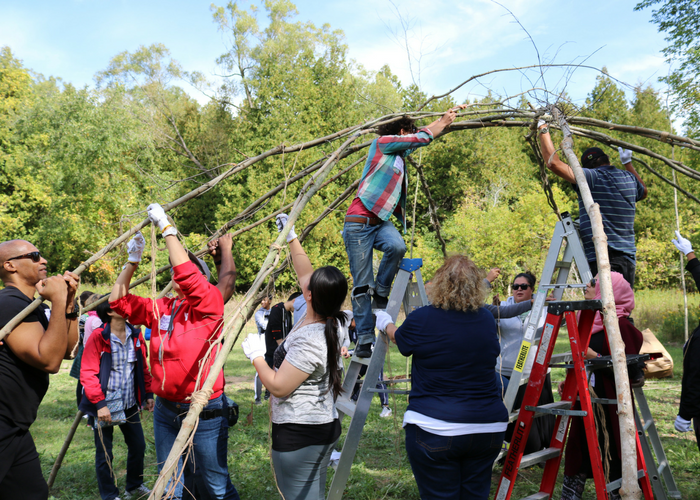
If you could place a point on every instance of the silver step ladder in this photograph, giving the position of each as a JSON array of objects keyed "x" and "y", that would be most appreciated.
[
  {"x": 554, "y": 280},
  {"x": 408, "y": 290},
  {"x": 658, "y": 469}
]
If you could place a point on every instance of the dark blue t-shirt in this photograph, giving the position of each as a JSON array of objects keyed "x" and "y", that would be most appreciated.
[
  {"x": 454, "y": 360},
  {"x": 616, "y": 192}
]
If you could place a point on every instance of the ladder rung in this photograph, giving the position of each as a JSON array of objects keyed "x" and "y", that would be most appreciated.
[
  {"x": 537, "y": 496},
  {"x": 389, "y": 391},
  {"x": 345, "y": 405},
  {"x": 563, "y": 285},
  {"x": 556, "y": 408},
  {"x": 556, "y": 405},
  {"x": 524, "y": 380},
  {"x": 561, "y": 264},
  {"x": 603, "y": 401},
  {"x": 647, "y": 425},
  {"x": 539, "y": 456},
  {"x": 617, "y": 483},
  {"x": 564, "y": 357},
  {"x": 362, "y": 361}
]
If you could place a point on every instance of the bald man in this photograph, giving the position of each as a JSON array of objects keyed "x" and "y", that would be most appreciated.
[{"x": 31, "y": 351}]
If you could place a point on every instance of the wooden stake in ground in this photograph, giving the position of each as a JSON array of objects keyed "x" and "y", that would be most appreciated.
[
  {"x": 235, "y": 325},
  {"x": 64, "y": 448},
  {"x": 630, "y": 488}
]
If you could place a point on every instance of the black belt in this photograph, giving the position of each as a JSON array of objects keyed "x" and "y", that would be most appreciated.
[
  {"x": 178, "y": 408},
  {"x": 372, "y": 221}
]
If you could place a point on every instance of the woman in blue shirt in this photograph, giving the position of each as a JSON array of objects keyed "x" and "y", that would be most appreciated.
[{"x": 456, "y": 420}]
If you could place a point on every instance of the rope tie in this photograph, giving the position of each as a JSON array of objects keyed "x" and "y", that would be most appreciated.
[{"x": 201, "y": 397}]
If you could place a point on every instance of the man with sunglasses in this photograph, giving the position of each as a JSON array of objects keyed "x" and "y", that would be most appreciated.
[
  {"x": 31, "y": 351},
  {"x": 184, "y": 329},
  {"x": 381, "y": 193},
  {"x": 615, "y": 191}
]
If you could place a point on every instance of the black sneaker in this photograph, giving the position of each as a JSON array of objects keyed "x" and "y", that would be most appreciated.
[
  {"x": 363, "y": 351},
  {"x": 380, "y": 302},
  {"x": 267, "y": 394}
]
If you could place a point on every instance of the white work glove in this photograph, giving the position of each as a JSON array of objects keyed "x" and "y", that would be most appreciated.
[
  {"x": 383, "y": 319},
  {"x": 625, "y": 155},
  {"x": 682, "y": 244},
  {"x": 681, "y": 424},
  {"x": 135, "y": 247},
  {"x": 254, "y": 346},
  {"x": 281, "y": 222},
  {"x": 158, "y": 216},
  {"x": 541, "y": 122}
]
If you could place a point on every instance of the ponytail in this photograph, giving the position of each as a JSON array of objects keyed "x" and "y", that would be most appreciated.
[
  {"x": 329, "y": 287},
  {"x": 335, "y": 379}
]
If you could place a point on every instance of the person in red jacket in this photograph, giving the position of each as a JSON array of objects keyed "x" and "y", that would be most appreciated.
[
  {"x": 116, "y": 383},
  {"x": 183, "y": 330}
]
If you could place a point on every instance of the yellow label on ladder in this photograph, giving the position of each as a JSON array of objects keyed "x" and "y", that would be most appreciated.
[{"x": 522, "y": 356}]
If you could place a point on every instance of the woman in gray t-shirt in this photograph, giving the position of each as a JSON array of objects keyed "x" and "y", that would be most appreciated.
[{"x": 305, "y": 379}]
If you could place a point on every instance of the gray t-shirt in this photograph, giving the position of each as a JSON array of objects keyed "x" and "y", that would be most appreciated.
[{"x": 311, "y": 402}]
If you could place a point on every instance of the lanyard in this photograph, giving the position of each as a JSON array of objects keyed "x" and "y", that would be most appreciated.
[{"x": 177, "y": 307}]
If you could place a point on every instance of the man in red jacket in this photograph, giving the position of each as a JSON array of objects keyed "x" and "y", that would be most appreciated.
[
  {"x": 115, "y": 377},
  {"x": 183, "y": 329}
]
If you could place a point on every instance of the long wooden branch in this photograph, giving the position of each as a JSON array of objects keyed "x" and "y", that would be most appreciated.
[
  {"x": 630, "y": 488},
  {"x": 12, "y": 324},
  {"x": 234, "y": 327}
]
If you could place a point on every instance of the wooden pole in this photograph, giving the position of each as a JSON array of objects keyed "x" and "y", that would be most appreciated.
[
  {"x": 64, "y": 448},
  {"x": 630, "y": 488}
]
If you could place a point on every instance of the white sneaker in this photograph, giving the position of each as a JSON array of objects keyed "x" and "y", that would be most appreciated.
[
  {"x": 386, "y": 412},
  {"x": 140, "y": 492}
]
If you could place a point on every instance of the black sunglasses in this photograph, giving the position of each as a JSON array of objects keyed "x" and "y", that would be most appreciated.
[
  {"x": 521, "y": 286},
  {"x": 35, "y": 256}
]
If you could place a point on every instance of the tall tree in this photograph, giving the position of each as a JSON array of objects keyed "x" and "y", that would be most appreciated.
[{"x": 680, "y": 20}]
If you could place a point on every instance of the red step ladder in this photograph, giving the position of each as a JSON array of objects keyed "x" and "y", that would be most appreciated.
[{"x": 576, "y": 385}]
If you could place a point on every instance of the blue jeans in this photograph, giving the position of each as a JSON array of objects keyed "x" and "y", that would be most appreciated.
[
  {"x": 360, "y": 239},
  {"x": 452, "y": 467},
  {"x": 208, "y": 453},
  {"x": 136, "y": 445}
]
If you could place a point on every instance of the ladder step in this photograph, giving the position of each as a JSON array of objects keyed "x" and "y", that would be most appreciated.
[
  {"x": 616, "y": 484},
  {"x": 345, "y": 405},
  {"x": 565, "y": 357},
  {"x": 361, "y": 361},
  {"x": 539, "y": 456},
  {"x": 557, "y": 405},
  {"x": 562, "y": 265},
  {"x": 556, "y": 408}
]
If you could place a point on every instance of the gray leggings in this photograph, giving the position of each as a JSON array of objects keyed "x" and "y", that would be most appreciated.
[{"x": 301, "y": 474}]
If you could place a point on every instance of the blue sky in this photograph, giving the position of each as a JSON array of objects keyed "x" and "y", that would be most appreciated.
[{"x": 74, "y": 39}]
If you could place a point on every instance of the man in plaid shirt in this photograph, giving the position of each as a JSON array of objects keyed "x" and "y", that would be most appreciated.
[{"x": 382, "y": 192}]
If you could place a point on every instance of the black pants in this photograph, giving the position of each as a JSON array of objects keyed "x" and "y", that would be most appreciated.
[
  {"x": 136, "y": 444},
  {"x": 20, "y": 469},
  {"x": 619, "y": 263}
]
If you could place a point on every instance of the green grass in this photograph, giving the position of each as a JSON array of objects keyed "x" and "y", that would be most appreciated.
[{"x": 381, "y": 469}]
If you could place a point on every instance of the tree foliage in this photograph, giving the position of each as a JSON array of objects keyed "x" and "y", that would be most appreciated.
[
  {"x": 77, "y": 166},
  {"x": 680, "y": 20}
]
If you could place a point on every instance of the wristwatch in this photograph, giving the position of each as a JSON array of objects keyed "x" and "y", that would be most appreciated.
[
  {"x": 72, "y": 315},
  {"x": 544, "y": 130}
]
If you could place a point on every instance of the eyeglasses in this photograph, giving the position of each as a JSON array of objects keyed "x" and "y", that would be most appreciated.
[
  {"x": 521, "y": 286},
  {"x": 35, "y": 256}
]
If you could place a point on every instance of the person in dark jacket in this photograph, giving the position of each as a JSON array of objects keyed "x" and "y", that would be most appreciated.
[
  {"x": 689, "y": 409},
  {"x": 116, "y": 384},
  {"x": 456, "y": 420}
]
